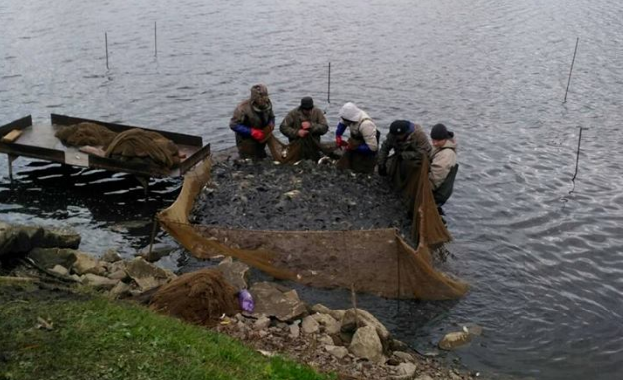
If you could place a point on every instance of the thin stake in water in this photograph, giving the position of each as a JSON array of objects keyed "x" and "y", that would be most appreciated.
[
  {"x": 155, "y": 39},
  {"x": 329, "y": 85},
  {"x": 570, "y": 71},
  {"x": 577, "y": 160},
  {"x": 106, "y": 40}
]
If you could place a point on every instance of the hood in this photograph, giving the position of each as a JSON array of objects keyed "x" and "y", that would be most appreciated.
[{"x": 350, "y": 112}]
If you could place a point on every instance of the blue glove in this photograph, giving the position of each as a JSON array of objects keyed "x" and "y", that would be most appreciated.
[
  {"x": 242, "y": 129},
  {"x": 340, "y": 129}
]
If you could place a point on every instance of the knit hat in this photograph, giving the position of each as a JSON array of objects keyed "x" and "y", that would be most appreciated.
[
  {"x": 398, "y": 127},
  {"x": 258, "y": 90},
  {"x": 307, "y": 103},
  {"x": 440, "y": 132},
  {"x": 350, "y": 112}
]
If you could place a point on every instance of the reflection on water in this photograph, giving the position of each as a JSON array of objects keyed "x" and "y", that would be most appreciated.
[{"x": 544, "y": 265}]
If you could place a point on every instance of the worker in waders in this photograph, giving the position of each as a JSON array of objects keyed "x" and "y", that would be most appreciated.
[
  {"x": 253, "y": 122},
  {"x": 409, "y": 143},
  {"x": 303, "y": 127},
  {"x": 363, "y": 144},
  {"x": 444, "y": 165}
]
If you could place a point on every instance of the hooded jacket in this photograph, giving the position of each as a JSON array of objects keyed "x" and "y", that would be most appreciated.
[
  {"x": 443, "y": 160},
  {"x": 363, "y": 129}
]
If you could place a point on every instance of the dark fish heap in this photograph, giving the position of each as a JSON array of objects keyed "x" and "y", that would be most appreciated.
[{"x": 306, "y": 196}]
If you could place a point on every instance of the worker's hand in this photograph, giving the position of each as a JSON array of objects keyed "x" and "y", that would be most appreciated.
[
  {"x": 339, "y": 142},
  {"x": 257, "y": 134},
  {"x": 382, "y": 170},
  {"x": 303, "y": 133},
  {"x": 306, "y": 125}
]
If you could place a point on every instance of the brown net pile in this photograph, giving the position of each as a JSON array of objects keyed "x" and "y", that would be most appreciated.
[
  {"x": 200, "y": 297},
  {"x": 142, "y": 144},
  {"x": 85, "y": 134},
  {"x": 374, "y": 261}
]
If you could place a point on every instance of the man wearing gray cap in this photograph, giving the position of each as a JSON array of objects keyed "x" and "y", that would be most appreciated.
[{"x": 305, "y": 123}]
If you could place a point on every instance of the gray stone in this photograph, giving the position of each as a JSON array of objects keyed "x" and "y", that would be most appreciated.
[
  {"x": 99, "y": 282},
  {"x": 262, "y": 323},
  {"x": 120, "y": 290},
  {"x": 366, "y": 344},
  {"x": 295, "y": 331},
  {"x": 235, "y": 272},
  {"x": 87, "y": 264},
  {"x": 158, "y": 251},
  {"x": 338, "y": 352},
  {"x": 327, "y": 323},
  {"x": 405, "y": 371},
  {"x": 326, "y": 340},
  {"x": 111, "y": 256},
  {"x": 310, "y": 326},
  {"x": 271, "y": 301},
  {"x": 60, "y": 270},
  {"x": 49, "y": 257},
  {"x": 364, "y": 318},
  {"x": 403, "y": 356},
  {"x": 424, "y": 377},
  {"x": 146, "y": 275},
  {"x": 453, "y": 340},
  {"x": 118, "y": 275},
  {"x": 320, "y": 308}
]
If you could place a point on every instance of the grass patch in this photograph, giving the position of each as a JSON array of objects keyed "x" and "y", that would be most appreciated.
[{"x": 94, "y": 338}]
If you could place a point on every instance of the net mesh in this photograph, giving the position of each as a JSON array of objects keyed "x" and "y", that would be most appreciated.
[{"x": 375, "y": 261}]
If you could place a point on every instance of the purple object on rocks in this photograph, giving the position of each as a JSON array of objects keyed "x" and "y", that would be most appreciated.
[{"x": 246, "y": 300}]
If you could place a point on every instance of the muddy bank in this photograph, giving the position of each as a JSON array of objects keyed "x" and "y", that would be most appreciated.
[{"x": 306, "y": 196}]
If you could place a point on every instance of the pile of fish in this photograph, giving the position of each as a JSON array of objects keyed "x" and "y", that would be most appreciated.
[{"x": 306, "y": 196}]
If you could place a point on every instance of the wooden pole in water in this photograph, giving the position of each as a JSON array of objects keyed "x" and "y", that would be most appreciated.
[
  {"x": 570, "y": 71},
  {"x": 577, "y": 160},
  {"x": 106, "y": 40},
  {"x": 329, "y": 85},
  {"x": 155, "y": 39}
]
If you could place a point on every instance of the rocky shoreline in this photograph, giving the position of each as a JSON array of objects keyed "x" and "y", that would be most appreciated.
[{"x": 351, "y": 343}]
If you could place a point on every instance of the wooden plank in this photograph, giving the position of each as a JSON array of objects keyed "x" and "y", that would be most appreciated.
[
  {"x": 20, "y": 124},
  {"x": 199, "y": 155},
  {"x": 178, "y": 138},
  {"x": 12, "y": 136}
]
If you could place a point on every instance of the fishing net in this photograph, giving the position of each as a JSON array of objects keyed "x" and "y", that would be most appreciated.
[
  {"x": 376, "y": 261},
  {"x": 82, "y": 134},
  {"x": 138, "y": 143},
  {"x": 200, "y": 297}
]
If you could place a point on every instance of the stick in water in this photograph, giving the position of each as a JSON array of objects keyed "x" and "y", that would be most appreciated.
[
  {"x": 329, "y": 85},
  {"x": 570, "y": 71},
  {"x": 577, "y": 160},
  {"x": 155, "y": 39},
  {"x": 106, "y": 39}
]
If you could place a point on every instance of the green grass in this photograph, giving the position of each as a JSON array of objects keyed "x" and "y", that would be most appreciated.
[{"x": 94, "y": 338}]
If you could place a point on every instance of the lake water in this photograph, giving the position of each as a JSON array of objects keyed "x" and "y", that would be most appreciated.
[{"x": 544, "y": 257}]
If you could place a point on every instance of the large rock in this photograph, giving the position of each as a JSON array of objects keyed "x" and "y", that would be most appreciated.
[
  {"x": 366, "y": 344},
  {"x": 454, "y": 339},
  {"x": 18, "y": 240},
  {"x": 354, "y": 318},
  {"x": 87, "y": 264},
  {"x": 310, "y": 325},
  {"x": 146, "y": 275},
  {"x": 51, "y": 257},
  {"x": 235, "y": 272},
  {"x": 99, "y": 282},
  {"x": 271, "y": 301},
  {"x": 337, "y": 351},
  {"x": 327, "y": 323},
  {"x": 405, "y": 371}
]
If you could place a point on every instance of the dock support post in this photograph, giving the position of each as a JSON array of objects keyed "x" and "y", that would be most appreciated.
[{"x": 11, "y": 159}]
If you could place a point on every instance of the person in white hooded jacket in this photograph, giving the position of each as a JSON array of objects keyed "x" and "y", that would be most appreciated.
[{"x": 363, "y": 144}]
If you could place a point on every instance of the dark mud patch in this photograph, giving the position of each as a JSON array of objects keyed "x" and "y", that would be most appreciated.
[{"x": 269, "y": 196}]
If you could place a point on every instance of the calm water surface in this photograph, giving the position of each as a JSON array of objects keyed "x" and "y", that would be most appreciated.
[{"x": 545, "y": 265}]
